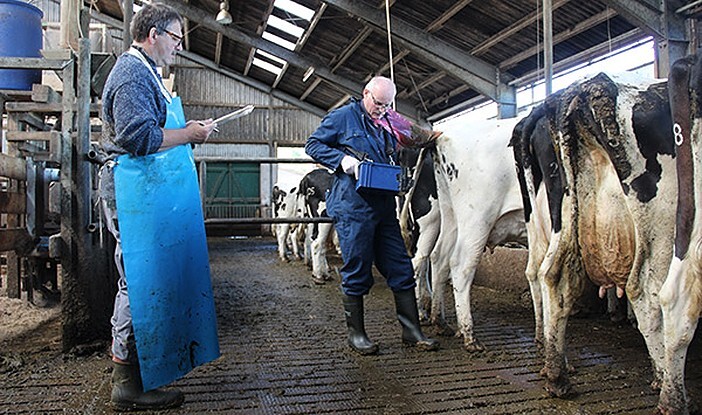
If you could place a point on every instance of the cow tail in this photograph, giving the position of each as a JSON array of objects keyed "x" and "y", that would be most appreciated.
[
  {"x": 680, "y": 86},
  {"x": 406, "y": 218}
]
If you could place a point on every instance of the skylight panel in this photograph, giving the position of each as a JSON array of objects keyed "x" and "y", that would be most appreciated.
[
  {"x": 278, "y": 40},
  {"x": 267, "y": 66},
  {"x": 270, "y": 56},
  {"x": 285, "y": 26},
  {"x": 295, "y": 8}
]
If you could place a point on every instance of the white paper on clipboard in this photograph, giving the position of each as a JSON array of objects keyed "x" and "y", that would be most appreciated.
[{"x": 234, "y": 115}]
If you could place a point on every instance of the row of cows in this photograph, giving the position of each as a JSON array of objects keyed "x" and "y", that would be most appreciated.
[
  {"x": 607, "y": 169},
  {"x": 605, "y": 190},
  {"x": 307, "y": 242}
]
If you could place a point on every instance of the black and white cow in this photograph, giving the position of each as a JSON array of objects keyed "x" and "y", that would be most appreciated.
[
  {"x": 681, "y": 294},
  {"x": 313, "y": 194},
  {"x": 597, "y": 167},
  {"x": 420, "y": 220},
  {"x": 474, "y": 203},
  {"x": 286, "y": 204}
]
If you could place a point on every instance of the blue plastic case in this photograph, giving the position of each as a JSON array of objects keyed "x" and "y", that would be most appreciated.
[{"x": 378, "y": 177}]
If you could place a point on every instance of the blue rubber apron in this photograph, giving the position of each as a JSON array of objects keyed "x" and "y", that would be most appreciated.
[{"x": 165, "y": 257}]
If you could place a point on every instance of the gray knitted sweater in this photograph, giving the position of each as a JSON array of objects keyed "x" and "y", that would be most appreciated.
[{"x": 133, "y": 109}]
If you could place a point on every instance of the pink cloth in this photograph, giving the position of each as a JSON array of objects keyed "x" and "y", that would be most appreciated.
[{"x": 399, "y": 125}]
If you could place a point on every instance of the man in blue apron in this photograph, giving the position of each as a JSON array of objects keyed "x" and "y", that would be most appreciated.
[
  {"x": 366, "y": 222},
  {"x": 135, "y": 107}
]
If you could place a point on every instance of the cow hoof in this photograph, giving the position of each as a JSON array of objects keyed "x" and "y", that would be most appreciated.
[
  {"x": 328, "y": 278},
  {"x": 318, "y": 280},
  {"x": 473, "y": 346},
  {"x": 561, "y": 390},
  {"x": 660, "y": 410}
]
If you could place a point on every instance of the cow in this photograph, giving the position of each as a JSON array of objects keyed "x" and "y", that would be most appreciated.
[
  {"x": 313, "y": 189},
  {"x": 287, "y": 205},
  {"x": 597, "y": 169},
  {"x": 681, "y": 293},
  {"x": 479, "y": 205},
  {"x": 420, "y": 220}
]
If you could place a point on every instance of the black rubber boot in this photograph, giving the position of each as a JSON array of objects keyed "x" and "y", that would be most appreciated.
[
  {"x": 406, "y": 306},
  {"x": 358, "y": 339},
  {"x": 128, "y": 393}
]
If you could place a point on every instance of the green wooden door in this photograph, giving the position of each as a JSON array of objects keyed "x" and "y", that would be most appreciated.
[{"x": 233, "y": 190}]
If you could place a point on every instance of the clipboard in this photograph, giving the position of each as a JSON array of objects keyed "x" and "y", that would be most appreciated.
[{"x": 234, "y": 115}]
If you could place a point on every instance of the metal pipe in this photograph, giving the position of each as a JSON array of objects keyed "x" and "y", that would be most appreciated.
[
  {"x": 244, "y": 221},
  {"x": 262, "y": 160},
  {"x": 688, "y": 6},
  {"x": 548, "y": 45}
]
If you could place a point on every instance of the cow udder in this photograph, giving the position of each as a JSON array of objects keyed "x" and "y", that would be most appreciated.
[{"x": 605, "y": 229}]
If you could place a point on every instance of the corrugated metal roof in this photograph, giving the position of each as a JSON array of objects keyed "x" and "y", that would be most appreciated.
[{"x": 350, "y": 47}]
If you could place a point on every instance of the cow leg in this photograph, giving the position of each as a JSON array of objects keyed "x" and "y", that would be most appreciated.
[
  {"x": 309, "y": 229},
  {"x": 335, "y": 239},
  {"x": 560, "y": 285},
  {"x": 439, "y": 280},
  {"x": 535, "y": 290},
  {"x": 282, "y": 236},
  {"x": 650, "y": 324},
  {"x": 423, "y": 291},
  {"x": 558, "y": 298},
  {"x": 320, "y": 266},
  {"x": 463, "y": 266},
  {"x": 681, "y": 304},
  {"x": 297, "y": 237},
  {"x": 426, "y": 241}
]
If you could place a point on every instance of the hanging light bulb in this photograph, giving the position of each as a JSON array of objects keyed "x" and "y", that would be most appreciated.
[{"x": 223, "y": 17}]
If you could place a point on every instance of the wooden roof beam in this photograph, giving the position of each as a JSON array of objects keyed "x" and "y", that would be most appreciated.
[
  {"x": 259, "y": 30},
  {"x": 479, "y": 74},
  {"x": 396, "y": 58},
  {"x": 350, "y": 48},
  {"x": 513, "y": 28},
  {"x": 560, "y": 37},
  {"x": 640, "y": 13},
  {"x": 313, "y": 85},
  {"x": 439, "y": 22},
  {"x": 260, "y": 86},
  {"x": 343, "y": 83},
  {"x": 425, "y": 83}
]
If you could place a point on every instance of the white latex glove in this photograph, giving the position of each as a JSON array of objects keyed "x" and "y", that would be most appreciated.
[{"x": 350, "y": 165}]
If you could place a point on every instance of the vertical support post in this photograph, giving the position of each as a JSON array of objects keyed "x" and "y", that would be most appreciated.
[
  {"x": 548, "y": 45},
  {"x": 87, "y": 285},
  {"x": 14, "y": 267},
  {"x": 69, "y": 284},
  {"x": 128, "y": 10}
]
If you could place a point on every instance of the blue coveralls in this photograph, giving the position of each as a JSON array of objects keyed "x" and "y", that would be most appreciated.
[{"x": 366, "y": 223}]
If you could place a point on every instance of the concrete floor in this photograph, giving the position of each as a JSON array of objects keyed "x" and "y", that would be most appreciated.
[{"x": 284, "y": 352}]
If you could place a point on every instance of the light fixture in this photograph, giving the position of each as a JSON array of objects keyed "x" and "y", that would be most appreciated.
[{"x": 223, "y": 17}]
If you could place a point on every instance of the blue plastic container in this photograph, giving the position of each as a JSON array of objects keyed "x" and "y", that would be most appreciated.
[
  {"x": 378, "y": 177},
  {"x": 20, "y": 36}
]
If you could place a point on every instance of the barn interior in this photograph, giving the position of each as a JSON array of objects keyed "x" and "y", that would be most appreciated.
[{"x": 294, "y": 60}]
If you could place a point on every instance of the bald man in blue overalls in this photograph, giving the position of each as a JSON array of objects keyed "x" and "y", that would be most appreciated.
[{"x": 366, "y": 222}]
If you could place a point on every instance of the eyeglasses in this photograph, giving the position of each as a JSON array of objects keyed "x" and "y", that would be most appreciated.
[
  {"x": 378, "y": 104},
  {"x": 176, "y": 38}
]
